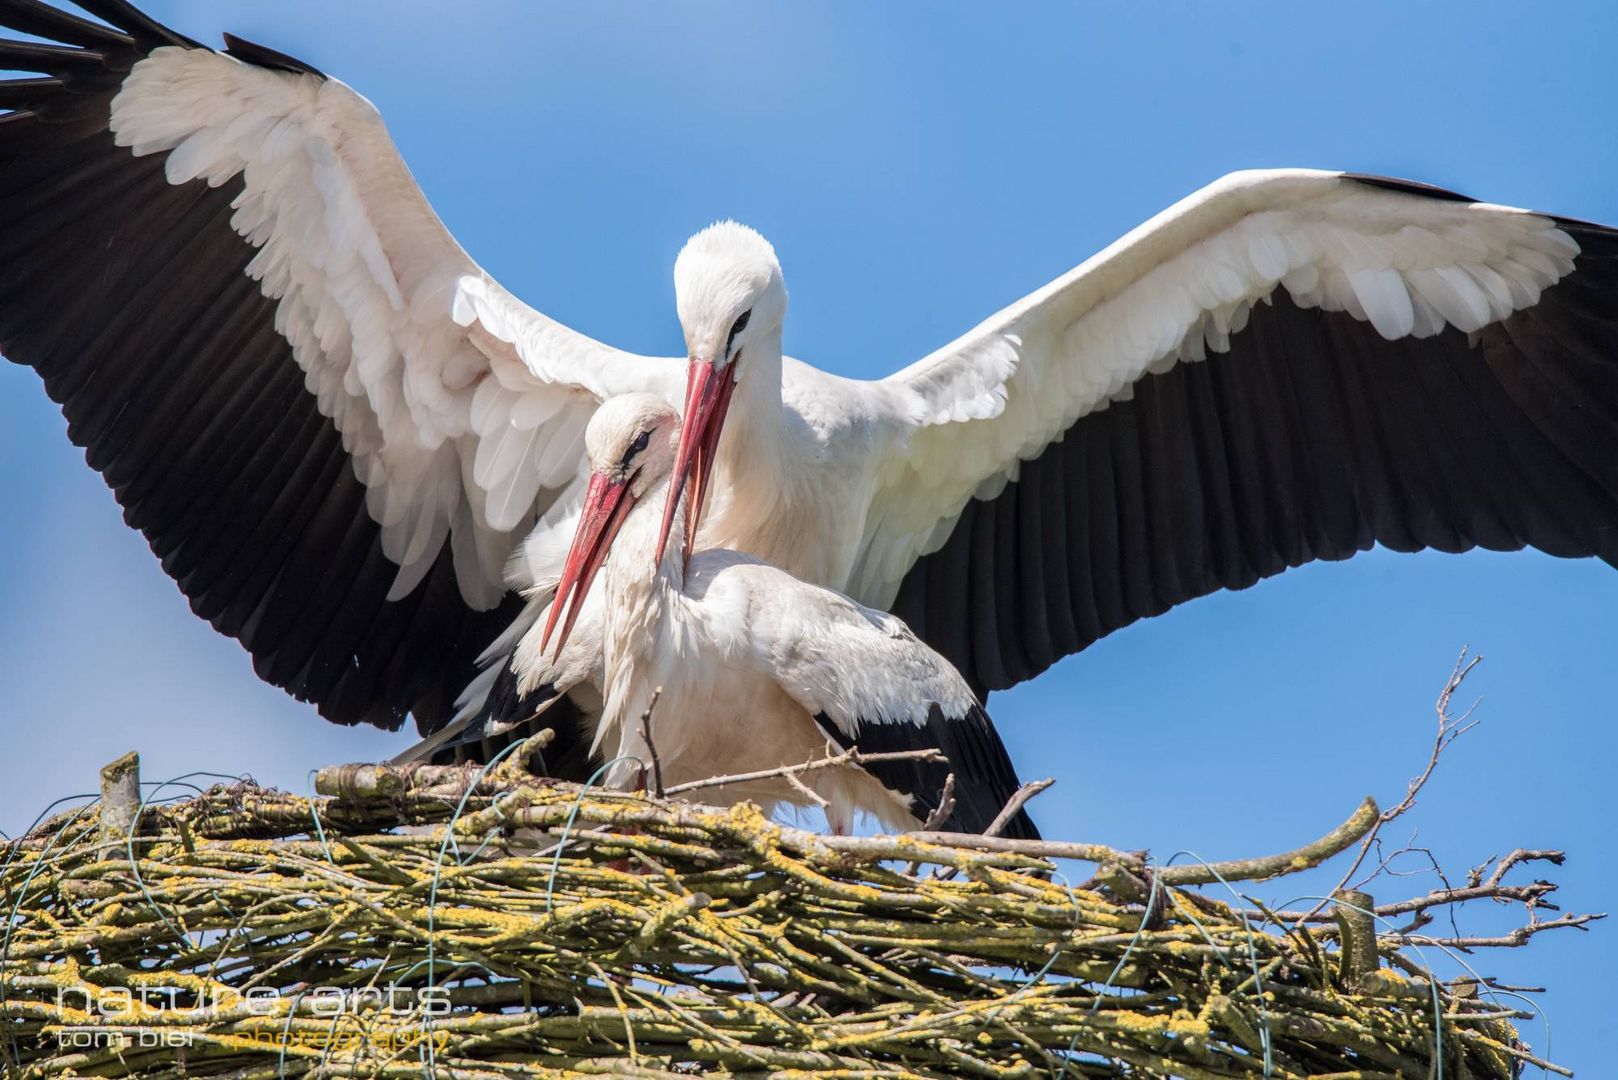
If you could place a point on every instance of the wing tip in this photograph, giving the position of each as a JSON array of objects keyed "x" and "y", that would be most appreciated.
[
  {"x": 249, "y": 52},
  {"x": 141, "y": 27},
  {"x": 1432, "y": 191},
  {"x": 1408, "y": 187},
  {"x": 123, "y": 25}
]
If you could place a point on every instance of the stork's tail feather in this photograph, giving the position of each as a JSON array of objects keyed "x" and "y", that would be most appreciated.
[
  {"x": 504, "y": 716},
  {"x": 985, "y": 779}
]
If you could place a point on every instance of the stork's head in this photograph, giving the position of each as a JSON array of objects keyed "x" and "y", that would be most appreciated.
[
  {"x": 731, "y": 299},
  {"x": 630, "y": 444},
  {"x": 631, "y": 440}
]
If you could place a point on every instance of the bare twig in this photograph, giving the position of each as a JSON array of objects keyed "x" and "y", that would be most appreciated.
[
  {"x": 1514, "y": 939},
  {"x": 1512, "y": 988},
  {"x": 809, "y": 793},
  {"x": 1531, "y": 894},
  {"x": 1450, "y": 728},
  {"x": 1385, "y": 866},
  {"x": 651, "y": 747},
  {"x": 1536, "y": 1062},
  {"x": 1522, "y": 855},
  {"x": 847, "y": 757},
  {"x": 946, "y": 806},
  {"x": 1018, "y": 800}
]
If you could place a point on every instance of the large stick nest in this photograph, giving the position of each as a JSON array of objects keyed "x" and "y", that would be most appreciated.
[{"x": 436, "y": 923}]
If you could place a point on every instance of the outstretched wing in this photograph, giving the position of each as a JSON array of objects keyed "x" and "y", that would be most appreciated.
[
  {"x": 1286, "y": 366},
  {"x": 872, "y": 684},
  {"x": 329, "y": 422}
]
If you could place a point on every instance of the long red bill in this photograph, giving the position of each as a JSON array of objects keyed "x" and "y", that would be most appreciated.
[
  {"x": 706, "y": 456},
  {"x": 708, "y": 392},
  {"x": 607, "y": 503}
]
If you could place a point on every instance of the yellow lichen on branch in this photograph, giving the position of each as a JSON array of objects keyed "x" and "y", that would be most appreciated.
[{"x": 441, "y": 923}]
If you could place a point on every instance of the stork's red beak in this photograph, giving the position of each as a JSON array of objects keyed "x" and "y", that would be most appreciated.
[
  {"x": 708, "y": 388},
  {"x": 606, "y": 504}
]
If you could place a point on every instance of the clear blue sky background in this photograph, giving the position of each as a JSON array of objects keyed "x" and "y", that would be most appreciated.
[{"x": 917, "y": 167}]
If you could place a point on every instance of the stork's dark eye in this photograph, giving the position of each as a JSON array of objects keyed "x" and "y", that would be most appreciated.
[
  {"x": 737, "y": 327},
  {"x": 636, "y": 447}
]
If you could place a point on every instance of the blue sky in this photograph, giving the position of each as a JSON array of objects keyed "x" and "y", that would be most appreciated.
[{"x": 917, "y": 167}]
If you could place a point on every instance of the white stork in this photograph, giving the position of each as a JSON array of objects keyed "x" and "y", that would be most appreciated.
[
  {"x": 334, "y": 428},
  {"x": 753, "y": 668}
]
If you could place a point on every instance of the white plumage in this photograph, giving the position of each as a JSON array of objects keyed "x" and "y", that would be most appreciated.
[
  {"x": 407, "y": 344},
  {"x": 391, "y": 330},
  {"x": 750, "y": 669}
]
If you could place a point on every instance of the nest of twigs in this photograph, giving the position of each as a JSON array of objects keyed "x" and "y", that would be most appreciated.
[{"x": 440, "y": 923}]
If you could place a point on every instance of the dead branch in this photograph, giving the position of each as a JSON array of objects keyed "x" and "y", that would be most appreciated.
[
  {"x": 1450, "y": 728},
  {"x": 651, "y": 747},
  {"x": 831, "y": 761},
  {"x": 1511, "y": 940},
  {"x": 945, "y": 807},
  {"x": 1018, "y": 800},
  {"x": 1302, "y": 858}
]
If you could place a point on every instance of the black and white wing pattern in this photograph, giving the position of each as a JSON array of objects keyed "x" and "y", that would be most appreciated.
[
  {"x": 985, "y": 779},
  {"x": 1287, "y": 366},
  {"x": 871, "y": 684},
  {"x": 329, "y": 422}
]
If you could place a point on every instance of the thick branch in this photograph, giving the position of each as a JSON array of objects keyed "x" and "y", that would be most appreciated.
[{"x": 1309, "y": 855}]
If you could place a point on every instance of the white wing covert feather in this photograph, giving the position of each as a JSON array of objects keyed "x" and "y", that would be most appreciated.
[
  {"x": 463, "y": 409},
  {"x": 1174, "y": 290},
  {"x": 840, "y": 659}
]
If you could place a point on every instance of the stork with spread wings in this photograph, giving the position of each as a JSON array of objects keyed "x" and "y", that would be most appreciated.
[{"x": 337, "y": 431}]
